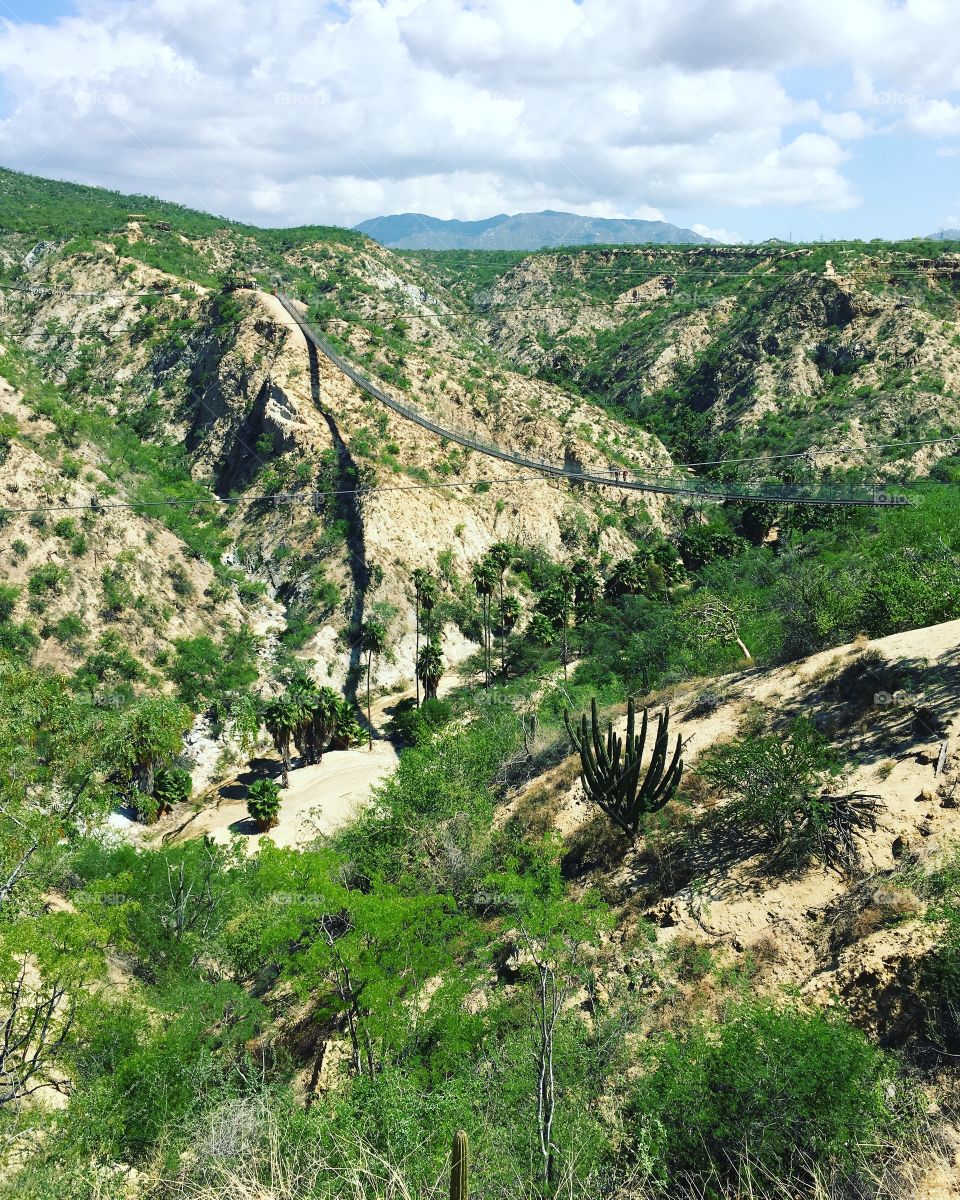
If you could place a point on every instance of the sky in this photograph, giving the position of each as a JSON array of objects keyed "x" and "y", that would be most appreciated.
[{"x": 742, "y": 119}]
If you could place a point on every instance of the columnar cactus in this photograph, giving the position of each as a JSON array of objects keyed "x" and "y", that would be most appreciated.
[
  {"x": 612, "y": 767},
  {"x": 460, "y": 1168}
]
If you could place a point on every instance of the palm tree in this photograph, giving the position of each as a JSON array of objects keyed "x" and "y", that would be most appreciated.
[
  {"x": 373, "y": 641},
  {"x": 347, "y": 730},
  {"x": 555, "y": 604},
  {"x": 318, "y": 718},
  {"x": 587, "y": 588},
  {"x": 430, "y": 669},
  {"x": 282, "y": 715},
  {"x": 426, "y": 590},
  {"x": 500, "y": 555},
  {"x": 484, "y": 577}
]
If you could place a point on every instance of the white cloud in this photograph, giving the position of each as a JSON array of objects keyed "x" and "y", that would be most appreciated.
[
  {"x": 935, "y": 118},
  {"x": 718, "y": 235},
  {"x": 847, "y": 126},
  {"x": 335, "y": 110}
]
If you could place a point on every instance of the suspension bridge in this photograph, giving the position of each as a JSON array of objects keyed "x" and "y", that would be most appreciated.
[{"x": 775, "y": 492}]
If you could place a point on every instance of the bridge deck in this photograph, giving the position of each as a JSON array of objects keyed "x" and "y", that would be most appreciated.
[{"x": 778, "y": 493}]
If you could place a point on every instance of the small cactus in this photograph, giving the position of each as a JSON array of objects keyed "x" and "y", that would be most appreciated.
[{"x": 460, "y": 1167}]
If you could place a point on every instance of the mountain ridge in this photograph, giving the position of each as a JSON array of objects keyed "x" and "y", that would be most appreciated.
[{"x": 521, "y": 231}]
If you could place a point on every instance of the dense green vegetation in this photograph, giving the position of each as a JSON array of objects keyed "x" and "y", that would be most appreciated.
[{"x": 47, "y": 208}]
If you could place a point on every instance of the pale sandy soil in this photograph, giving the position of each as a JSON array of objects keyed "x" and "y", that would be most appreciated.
[
  {"x": 742, "y": 904},
  {"x": 319, "y": 800}
]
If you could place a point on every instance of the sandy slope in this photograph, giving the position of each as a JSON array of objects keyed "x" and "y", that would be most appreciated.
[
  {"x": 739, "y": 903},
  {"x": 319, "y": 800}
]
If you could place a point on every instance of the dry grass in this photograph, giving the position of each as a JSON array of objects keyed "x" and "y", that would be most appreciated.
[{"x": 245, "y": 1152}]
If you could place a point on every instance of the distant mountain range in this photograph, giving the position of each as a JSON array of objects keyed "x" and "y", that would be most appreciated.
[
  {"x": 945, "y": 235},
  {"x": 522, "y": 231}
]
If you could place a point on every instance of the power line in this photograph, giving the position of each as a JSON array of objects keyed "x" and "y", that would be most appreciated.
[
  {"x": 279, "y": 497},
  {"x": 820, "y": 451},
  {"x": 44, "y": 290}
]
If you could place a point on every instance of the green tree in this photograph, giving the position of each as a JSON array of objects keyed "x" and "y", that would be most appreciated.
[
  {"x": 361, "y": 956},
  {"x": 426, "y": 592},
  {"x": 500, "y": 556},
  {"x": 430, "y": 669},
  {"x": 150, "y": 736},
  {"x": 373, "y": 642},
  {"x": 55, "y": 768},
  {"x": 559, "y": 936},
  {"x": 587, "y": 589},
  {"x": 318, "y": 713},
  {"x": 484, "y": 579},
  {"x": 556, "y": 604}
]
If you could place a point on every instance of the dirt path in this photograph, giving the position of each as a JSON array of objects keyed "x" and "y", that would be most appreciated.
[{"x": 319, "y": 800}]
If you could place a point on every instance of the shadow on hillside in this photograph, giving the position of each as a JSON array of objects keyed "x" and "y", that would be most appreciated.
[
  {"x": 882, "y": 708},
  {"x": 712, "y": 851},
  {"x": 347, "y": 509}
]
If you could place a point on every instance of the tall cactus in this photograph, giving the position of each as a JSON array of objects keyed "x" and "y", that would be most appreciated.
[
  {"x": 612, "y": 767},
  {"x": 460, "y": 1168}
]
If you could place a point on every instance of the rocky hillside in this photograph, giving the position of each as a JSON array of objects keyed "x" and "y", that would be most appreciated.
[
  {"x": 144, "y": 380},
  {"x": 741, "y": 349}
]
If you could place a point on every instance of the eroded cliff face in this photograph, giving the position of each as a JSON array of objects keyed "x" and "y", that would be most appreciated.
[
  {"x": 866, "y": 347},
  {"x": 227, "y": 384}
]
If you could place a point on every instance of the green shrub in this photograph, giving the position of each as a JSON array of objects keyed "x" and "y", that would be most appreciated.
[
  {"x": 117, "y": 592},
  {"x": 172, "y": 785},
  {"x": 938, "y": 989},
  {"x": 263, "y": 802},
  {"x": 180, "y": 582},
  {"x": 410, "y": 725},
  {"x": 47, "y": 579},
  {"x": 71, "y": 466},
  {"x": 17, "y": 641},
  {"x": 767, "y": 1098},
  {"x": 65, "y": 527},
  {"x": 775, "y": 784},
  {"x": 70, "y": 628},
  {"x": 702, "y": 544},
  {"x": 947, "y": 470},
  {"x": 8, "y": 601},
  {"x": 8, "y": 431},
  {"x": 251, "y": 590}
]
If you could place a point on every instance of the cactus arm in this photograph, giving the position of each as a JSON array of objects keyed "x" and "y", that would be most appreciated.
[{"x": 460, "y": 1167}]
